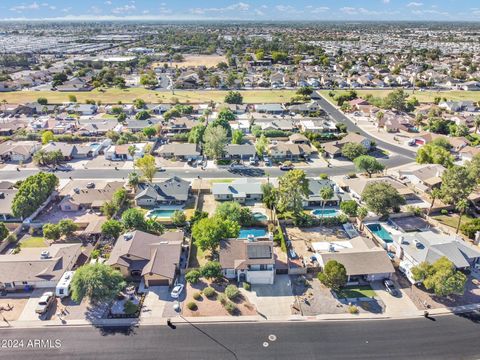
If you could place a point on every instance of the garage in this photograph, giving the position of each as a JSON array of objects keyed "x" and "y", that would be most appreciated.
[{"x": 157, "y": 282}]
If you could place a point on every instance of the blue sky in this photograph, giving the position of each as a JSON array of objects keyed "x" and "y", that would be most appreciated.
[{"x": 242, "y": 10}]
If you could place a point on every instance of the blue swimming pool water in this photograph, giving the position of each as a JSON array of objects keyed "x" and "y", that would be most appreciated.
[
  {"x": 325, "y": 212},
  {"x": 161, "y": 213},
  {"x": 380, "y": 231},
  {"x": 255, "y": 232}
]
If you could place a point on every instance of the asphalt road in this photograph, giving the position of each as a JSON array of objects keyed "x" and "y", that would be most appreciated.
[
  {"x": 111, "y": 173},
  {"x": 338, "y": 116},
  {"x": 445, "y": 337}
]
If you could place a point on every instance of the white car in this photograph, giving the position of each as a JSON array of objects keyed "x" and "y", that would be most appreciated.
[{"x": 176, "y": 291}]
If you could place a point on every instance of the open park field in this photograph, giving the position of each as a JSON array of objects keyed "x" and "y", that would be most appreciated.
[
  {"x": 115, "y": 95},
  {"x": 422, "y": 96},
  {"x": 198, "y": 60}
]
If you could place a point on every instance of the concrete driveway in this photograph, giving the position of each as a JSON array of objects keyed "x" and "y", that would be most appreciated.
[
  {"x": 272, "y": 300},
  {"x": 157, "y": 298},
  {"x": 28, "y": 313},
  {"x": 399, "y": 305}
]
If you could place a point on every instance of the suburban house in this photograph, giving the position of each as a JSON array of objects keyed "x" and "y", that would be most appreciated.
[
  {"x": 282, "y": 151},
  {"x": 424, "y": 177},
  {"x": 180, "y": 151},
  {"x": 154, "y": 258},
  {"x": 334, "y": 148},
  {"x": 317, "y": 126},
  {"x": 78, "y": 195},
  {"x": 356, "y": 186},
  {"x": 240, "y": 152},
  {"x": 40, "y": 267},
  {"x": 18, "y": 151},
  {"x": 270, "y": 109},
  {"x": 122, "y": 152},
  {"x": 314, "y": 198},
  {"x": 429, "y": 246},
  {"x": 240, "y": 190},
  {"x": 248, "y": 260},
  {"x": 178, "y": 126},
  {"x": 363, "y": 260},
  {"x": 174, "y": 191},
  {"x": 82, "y": 109}
]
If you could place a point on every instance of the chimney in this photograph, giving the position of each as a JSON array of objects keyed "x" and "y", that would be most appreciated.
[{"x": 477, "y": 238}]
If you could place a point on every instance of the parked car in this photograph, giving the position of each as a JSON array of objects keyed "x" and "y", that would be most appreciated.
[
  {"x": 286, "y": 167},
  {"x": 177, "y": 290},
  {"x": 236, "y": 166},
  {"x": 90, "y": 185},
  {"x": 64, "y": 168},
  {"x": 253, "y": 160},
  {"x": 390, "y": 287},
  {"x": 160, "y": 169},
  {"x": 44, "y": 303}
]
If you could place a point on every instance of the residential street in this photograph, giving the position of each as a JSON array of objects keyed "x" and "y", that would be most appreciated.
[{"x": 445, "y": 337}]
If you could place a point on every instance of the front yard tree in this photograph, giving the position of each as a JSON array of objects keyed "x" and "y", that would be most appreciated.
[
  {"x": 234, "y": 97},
  {"x": 261, "y": 145},
  {"x": 98, "y": 282},
  {"x": 193, "y": 276},
  {"x": 112, "y": 228},
  {"x": 212, "y": 270},
  {"x": 353, "y": 150},
  {"x": 441, "y": 277},
  {"x": 368, "y": 164},
  {"x": 215, "y": 138},
  {"x": 382, "y": 197},
  {"x": 293, "y": 187},
  {"x": 147, "y": 166},
  {"x": 334, "y": 275}
]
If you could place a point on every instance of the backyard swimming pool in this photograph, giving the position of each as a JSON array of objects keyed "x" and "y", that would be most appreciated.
[
  {"x": 325, "y": 212},
  {"x": 380, "y": 232},
  {"x": 160, "y": 213},
  {"x": 258, "y": 216},
  {"x": 253, "y": 231}
]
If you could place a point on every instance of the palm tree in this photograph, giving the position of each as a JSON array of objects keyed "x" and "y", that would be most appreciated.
[
  {"x": 207, "y": 113},
  {"x": 326, "y": 193},
  {"x": 476, "y": 121},
  {"x": 4, "y": 103},
  {"x": 131, "y": 150},
  {"x": 133, "y": 180},
  {"x": 435, "y": 194},
  {"x": 461, "y": 207}
]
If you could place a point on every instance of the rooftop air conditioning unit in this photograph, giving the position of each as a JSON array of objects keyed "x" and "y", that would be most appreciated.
[
  {"x": 44, "y": 254},
  {"x": 128, "y": 236}
]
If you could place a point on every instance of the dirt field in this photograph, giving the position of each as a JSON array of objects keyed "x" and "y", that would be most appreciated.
[
  {"x": 114, "y": 95},
  {"x": 198, "y": 60},
  {"x": 17, "y": 303}
]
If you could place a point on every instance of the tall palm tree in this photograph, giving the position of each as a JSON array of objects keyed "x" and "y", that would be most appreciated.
[
  {"x": 461, "y": 206},
  {"x": 326, "y": 193},
  {"x": 435, "y": 194},
  {"x": 476, "y": 121}
]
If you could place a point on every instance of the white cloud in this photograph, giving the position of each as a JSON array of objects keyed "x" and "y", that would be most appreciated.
[
  {"x": 108, "y": 2},
  {"x": 319, "y": 10},
  {"x": 241, "y": 6},
  {"x": 20, "y": 8},
  {"x": 414, "y": 4},
  {"x": 386, "y": 1},
  {"x": 124, "y": 9}
]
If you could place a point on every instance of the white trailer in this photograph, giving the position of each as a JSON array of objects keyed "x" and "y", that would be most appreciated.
[{"x": 63, "y": 287}]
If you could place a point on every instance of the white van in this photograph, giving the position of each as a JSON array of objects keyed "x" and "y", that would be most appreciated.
[
  {"x": 406, "y": 269},
  {"x": 63, "y": 287}
]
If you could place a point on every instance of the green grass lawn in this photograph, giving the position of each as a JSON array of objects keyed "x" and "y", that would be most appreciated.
[
  {"x": 114, "y": 95},
  {"x": 451, "y": 220},
  {"x": 213, "y": 181},
  {"x": 33, "y": 242},
  {"x": 422, "y": 96},
  {"x": 356, "y": 292}
]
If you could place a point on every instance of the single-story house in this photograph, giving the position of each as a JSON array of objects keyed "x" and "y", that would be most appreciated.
[
  {"x": 286, "y": 151},
  {"x": 240, "y": 190},
  {"x": 77, "y": 196},
  {"x": 121, "y": 152},
  {"x": 169, "y": 192},
  {"x": 40, "y": 267},
  {"x": 429, "y": 246},
  {"x": 247, "y": 260},
  {"x": 270, "y": 108},
  {"x": 356, "y": 186},
  {"x": 423, "y": 176},
  {"x": 240, "y": 152},
  {"x": 334, "y": 149},
  {"x": 363, "y": 260},
  {"x": 314, "y": 198},
  {"x": 18, "y": 151},
  {"x": 155, "y": 258},
  {"x": 180, "y": 151}
]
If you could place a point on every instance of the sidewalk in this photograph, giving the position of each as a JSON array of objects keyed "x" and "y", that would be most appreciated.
[{"x": 232, "y": 319}]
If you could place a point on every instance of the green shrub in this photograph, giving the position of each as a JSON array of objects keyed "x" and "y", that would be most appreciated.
[
  {"x": 247, "y": 286},
  {"x": 349, "y": 207},
  {"x": 323, "y": 176},
  {"x": 192, "y": 305},
  {"x": 193, "y": 276},
  {"x": 130, "y": 308},
  {"x": 209, "y": 292},
  {"x": 444, "y": 212},
  {"x": 223, "y": 299},
  {"x": 352, "y": 309},
  {"x": 197, "y": 295},
  {"x": 230, "y": 307},
  {"x": 232, "y": 292}
]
